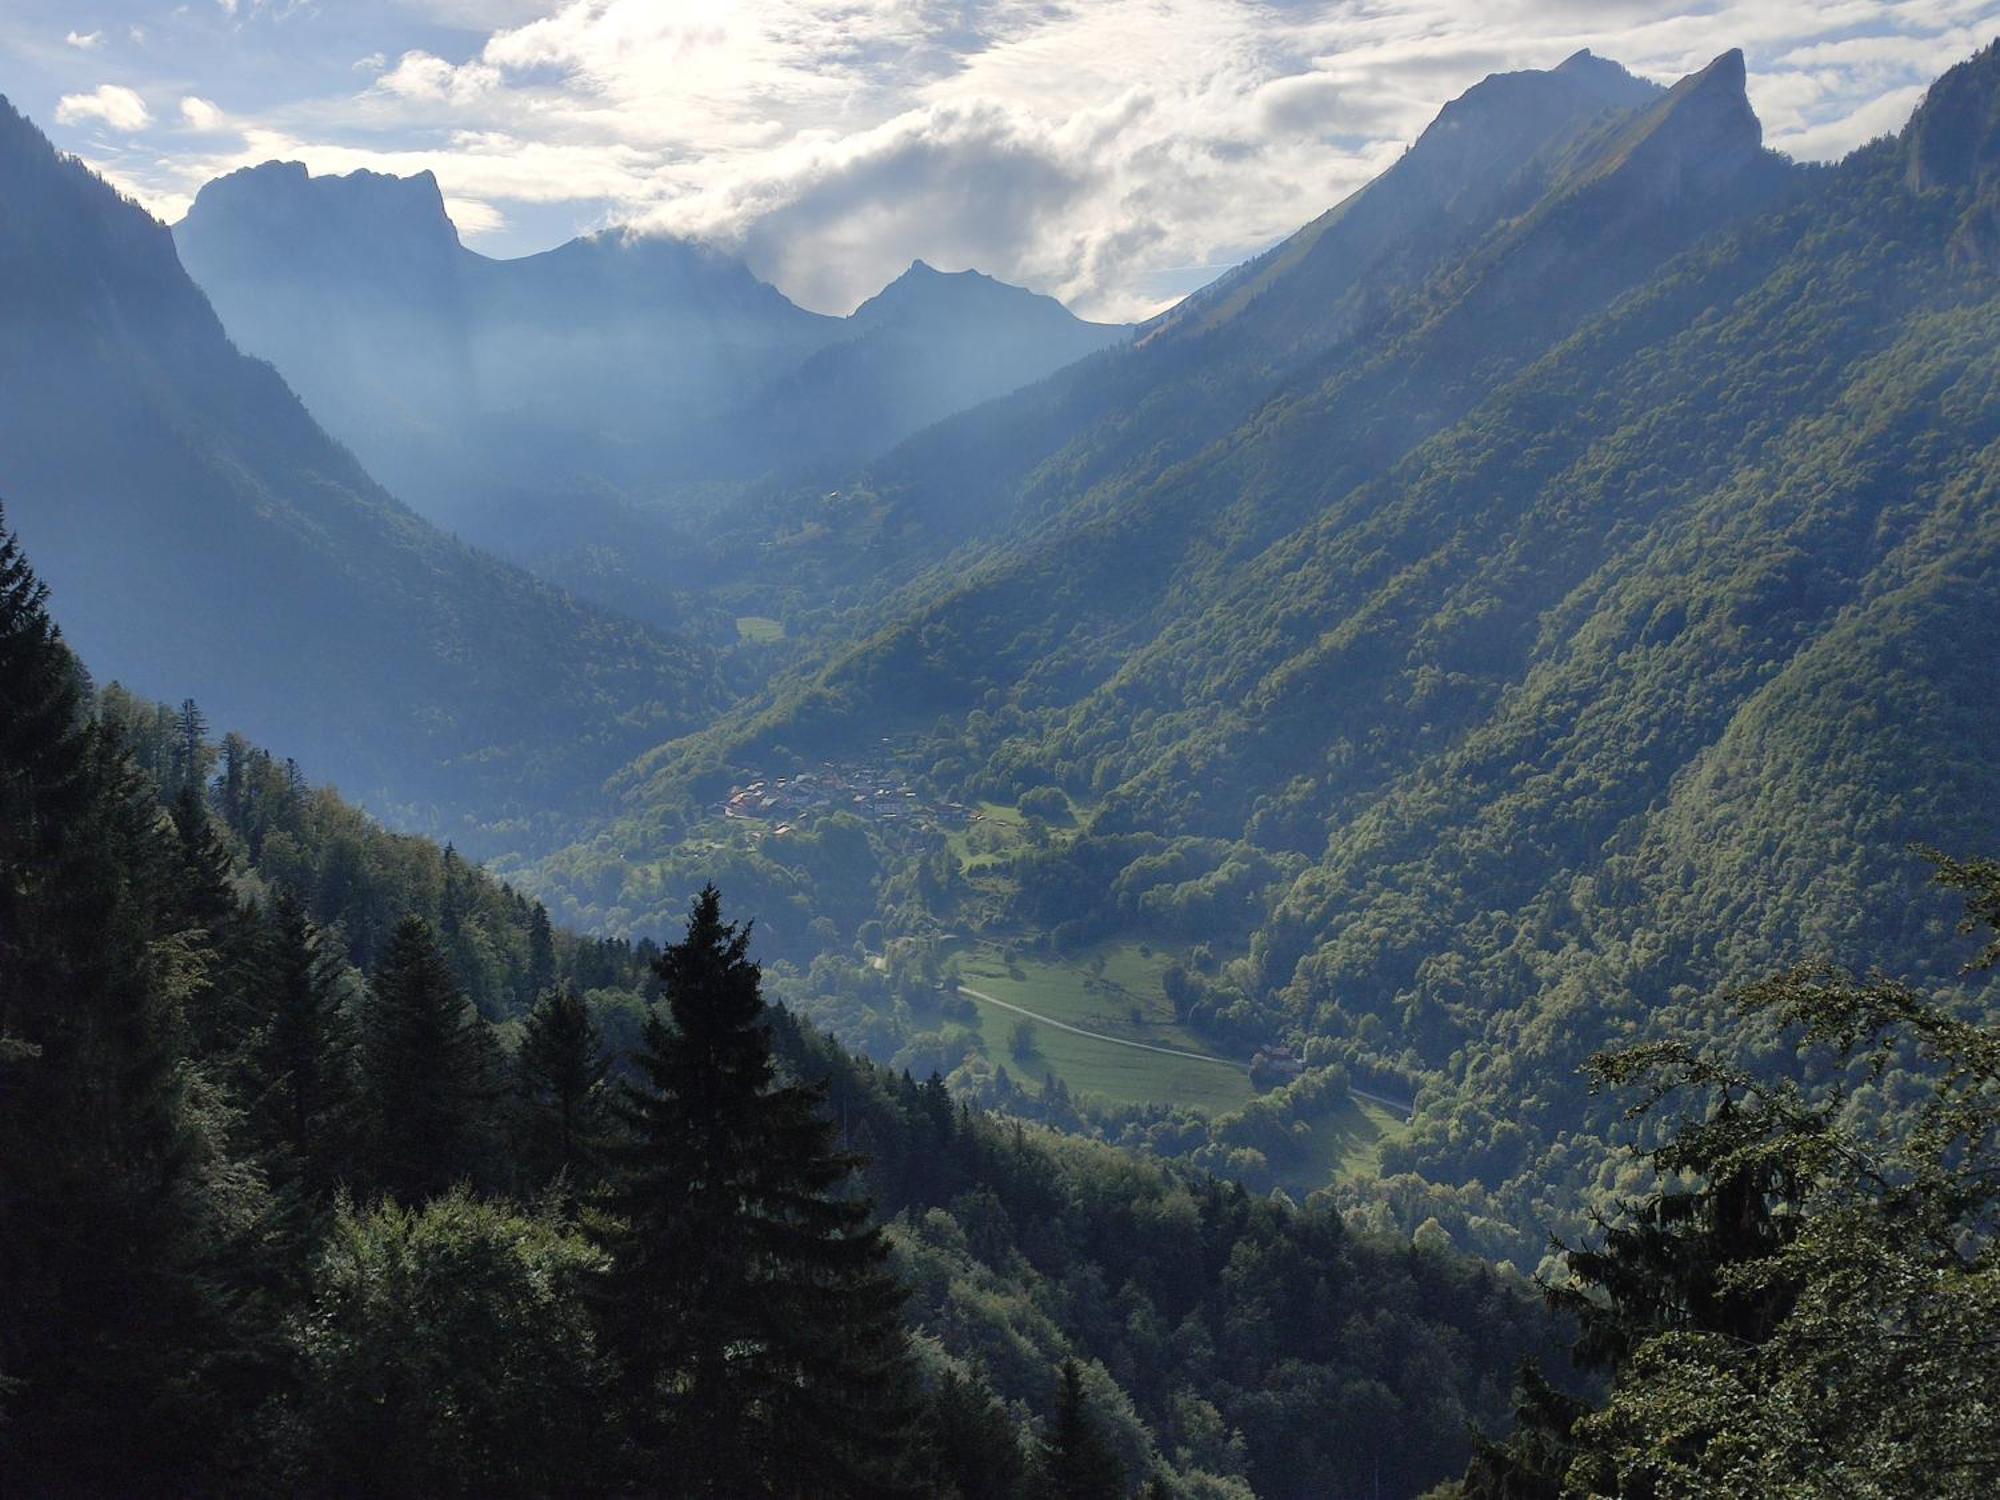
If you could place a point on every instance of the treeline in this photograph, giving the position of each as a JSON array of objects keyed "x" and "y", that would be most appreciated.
[
  {"x": 1231, "y": 1343},
  {"x": 283, "y": 1209},
  {"x": 356, "y": 877}
]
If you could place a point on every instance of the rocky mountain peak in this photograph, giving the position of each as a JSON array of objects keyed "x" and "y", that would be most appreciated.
[
  {"x": 1953, "y": 140},
  {"x": 1700, "y": 136},
  {"x": 282, "y": 207}
]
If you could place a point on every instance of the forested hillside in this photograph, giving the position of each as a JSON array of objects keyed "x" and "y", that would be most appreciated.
[
  {"x": 328, "y": 1166},
  {"x": 211, "y": 539},
  {"x": 1115, "y": 525},
  {"x": 1799, "y": 1300},
  {"x": 1596, "y": 611}
]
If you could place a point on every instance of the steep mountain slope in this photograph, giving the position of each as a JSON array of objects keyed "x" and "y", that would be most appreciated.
[
  {"x": 1113, "y": 541},
  {"x": 207, "y": 537},
  {"x": 393, "y": 342},
  {"x": 1462, "y": 173},
  {"x": 1199, "y": 370},
  {"x": 560, "y": 398},
  {"x": 1600, "y": 625}
]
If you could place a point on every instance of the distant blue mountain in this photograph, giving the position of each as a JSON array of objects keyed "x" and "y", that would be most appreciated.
[
  {"x": 202, "y": 534},
  {"x": 539, "y": 401}
]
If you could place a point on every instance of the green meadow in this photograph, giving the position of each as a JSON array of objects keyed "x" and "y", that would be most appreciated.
[
  {"x": 1115, "y": 990},
  {"x": 760, "y": 628}
]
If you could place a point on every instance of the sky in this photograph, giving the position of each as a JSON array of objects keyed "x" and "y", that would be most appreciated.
[{"x": 1114, "y": 153}]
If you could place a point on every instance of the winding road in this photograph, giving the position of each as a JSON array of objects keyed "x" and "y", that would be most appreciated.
[{"x": 1406, "y": 1107}]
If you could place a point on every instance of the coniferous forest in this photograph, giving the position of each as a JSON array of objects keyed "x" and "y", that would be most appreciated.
[{"x": 1384, "y": 882}]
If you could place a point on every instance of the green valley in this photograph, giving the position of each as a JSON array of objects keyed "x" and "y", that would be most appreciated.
[
  {"x": 1353, "y": 860},
  {"x": 1504, "y": 679}
]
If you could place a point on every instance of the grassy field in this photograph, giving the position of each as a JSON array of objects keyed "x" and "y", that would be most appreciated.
[
  {"x": 760, "y": 628},
  {"x": 1347, "y": 1144},
  {"x": 1113, "y": 989},
  {"x": 997, "y": 835},
  {"x": 1116, "y": 988}
]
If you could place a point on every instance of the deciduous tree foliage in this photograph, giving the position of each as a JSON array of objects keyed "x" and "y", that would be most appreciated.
[
  {"x": 447, "y": 1350},
  {"x": 1806, "y": 1306}
]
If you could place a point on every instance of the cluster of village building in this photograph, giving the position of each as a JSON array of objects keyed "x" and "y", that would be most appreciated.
[
  {"x": 878, "y": 793},
  {"x": 1273, "y": 1066}
]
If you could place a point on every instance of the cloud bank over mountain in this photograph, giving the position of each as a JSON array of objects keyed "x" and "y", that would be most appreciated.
[{"x": 1114, "y": 154}]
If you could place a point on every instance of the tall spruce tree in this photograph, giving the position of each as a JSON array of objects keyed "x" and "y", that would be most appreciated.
[
  {"x": 1077, "y": 1464},
  {"x": 541, "y": 953},
  {"x": 561, "y": 1066},
  {"x": 970, "y": 1438},
  {"x": 201, "y": 898},
  {"x": 425, "y": 1070},
  {"x": 191, "y": 752},
  {"x": 305, "y": 1112},
  {"x": 117, "y": 1206},
  {"x": 749, "y": 1293}
]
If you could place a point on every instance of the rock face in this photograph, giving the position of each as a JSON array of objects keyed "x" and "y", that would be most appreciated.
[
  {"x": 354, "y": 287},
  {"x": 242, "y": 220},
  {"x": 1953, "y": 140},
  {"x": 1952, "y": 145},
  {"x": 1698, "y": 139}
]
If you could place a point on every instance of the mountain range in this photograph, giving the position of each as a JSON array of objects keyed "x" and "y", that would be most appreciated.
[
  {"x": 591, "y": 395},
  {"x": 1566, "y": 570},
  {"x": 1429, "y": 745}
]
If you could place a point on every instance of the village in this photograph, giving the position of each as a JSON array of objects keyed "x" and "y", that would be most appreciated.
[{"x": 879, "y": 793}]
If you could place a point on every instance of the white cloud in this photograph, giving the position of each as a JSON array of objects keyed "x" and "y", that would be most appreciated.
[
  {"x": 200, "y": 115},
  {"x": 111, "y": 103},
  {"x": 479, "y": 15},
  {"x": 474, "y": 217},
  {"x": 85, "y": 41},
  {"x": 425, "y": 78},
  {"x": 1103, "y": 150}
]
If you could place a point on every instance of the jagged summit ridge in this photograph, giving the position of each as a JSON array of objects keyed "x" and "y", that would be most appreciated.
[
  {"x": 1463, "y": 172},
  {"x": 285, "y": 201},
  {"x": 1698, "y": 138},
  {"x": 1705, "y": 130},
  {"x": 1619, "y": 84}
]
